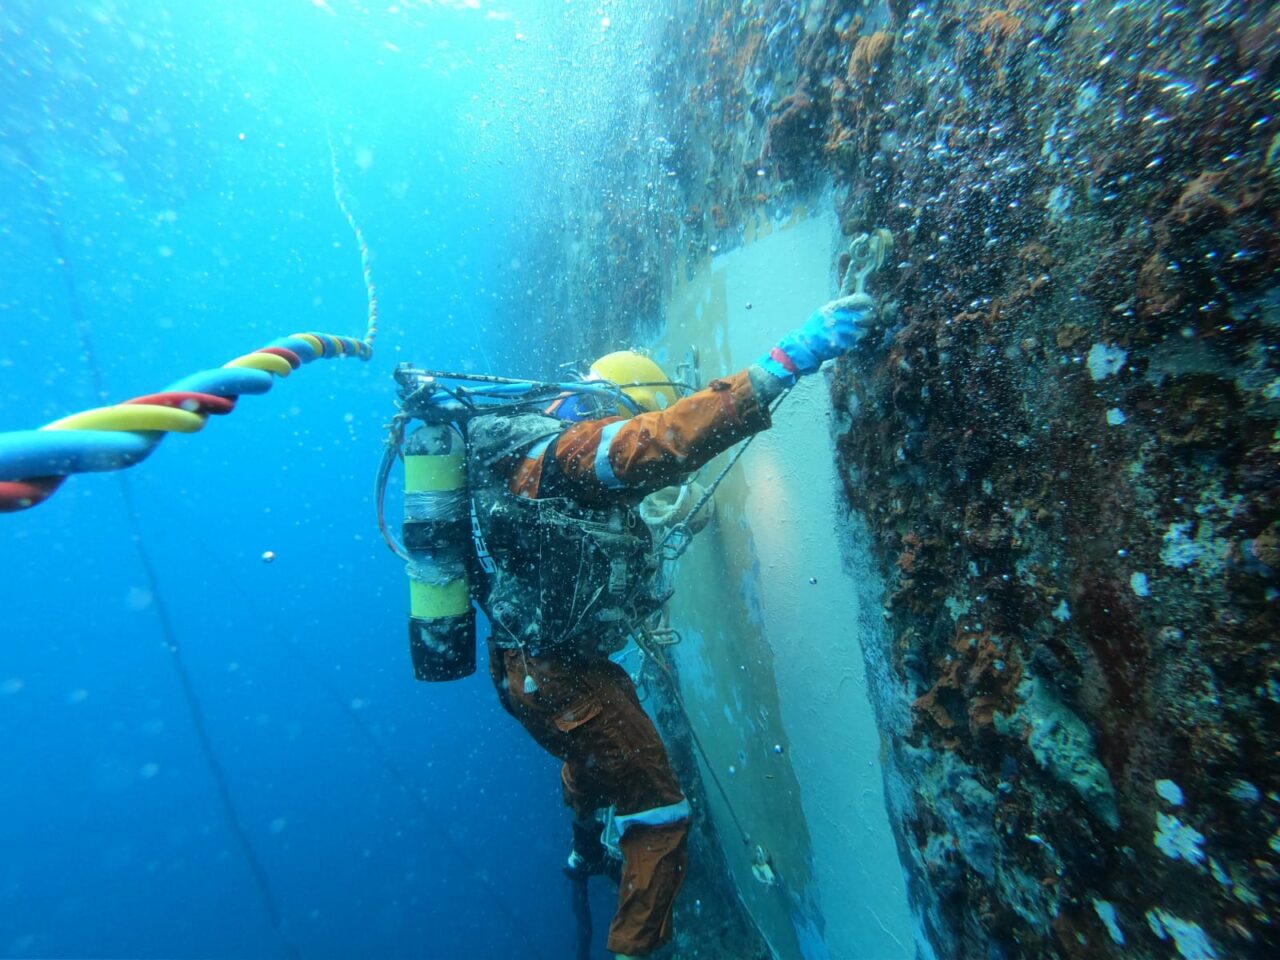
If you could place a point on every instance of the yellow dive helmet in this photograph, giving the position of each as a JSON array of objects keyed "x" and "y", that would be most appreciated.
[{"x": 627, "y": 366}]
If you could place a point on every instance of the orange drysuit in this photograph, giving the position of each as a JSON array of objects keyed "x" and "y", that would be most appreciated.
[{"x": 584, "y": 709}]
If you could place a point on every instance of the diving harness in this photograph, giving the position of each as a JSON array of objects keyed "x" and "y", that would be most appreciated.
[{"x": 567, "y": 573}]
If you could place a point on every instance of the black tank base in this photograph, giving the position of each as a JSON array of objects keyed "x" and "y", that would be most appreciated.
[{"x": 443, "y": 648}]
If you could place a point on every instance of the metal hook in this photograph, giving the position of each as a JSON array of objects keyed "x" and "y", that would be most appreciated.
[{"x": 867, "y": 252}]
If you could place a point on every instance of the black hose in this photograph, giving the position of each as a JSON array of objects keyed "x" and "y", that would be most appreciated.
[
  {"x": 581, "y": 912},
  {"x": 196, "y": 714}
]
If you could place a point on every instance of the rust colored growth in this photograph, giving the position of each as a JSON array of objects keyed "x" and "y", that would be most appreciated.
[
  {"x": 1243, "y": 209},
  {"x": 982, "y": 712},
  {"x": 911, "y": 544},
  {"x": 999, "y": 31},
  {"x": 722, "y": 39},
  {"x": 870, "y": 55},
  {"x": 1020, "y": 298},
  {"x": 747, "y": 52},
  {"x": 998, "y": 27},
  {"x": 980, "y": 679},
  {"x": 1213, "y": 210},
  {"x": 930, "y": 704},
  {"x": 719, "y": 217},
  {"x": 849, "y": 35},
  {"x": 853, "y": 122},
  {"x": 993, "y": 672}
]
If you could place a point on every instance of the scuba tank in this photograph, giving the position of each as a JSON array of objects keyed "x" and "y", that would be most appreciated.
[
  {"x": 437, "y": 541},
  {"x": 442, "y": 541}
]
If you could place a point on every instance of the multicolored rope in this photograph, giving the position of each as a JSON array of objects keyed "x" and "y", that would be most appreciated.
[{"x": 34, "y": 463}]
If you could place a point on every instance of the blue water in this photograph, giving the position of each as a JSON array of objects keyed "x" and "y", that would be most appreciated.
[{"x": 185, "y": 168}]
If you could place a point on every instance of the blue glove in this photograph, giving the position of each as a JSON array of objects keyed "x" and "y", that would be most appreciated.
[{"x": 829, "y": 332}]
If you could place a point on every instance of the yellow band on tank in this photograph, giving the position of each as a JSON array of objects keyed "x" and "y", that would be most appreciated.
[
  {"x": 263, "y": 361},
  {"x": 428, "y": 601},
  {"x": 423, "y": 473},
  {"x": 131, "y": 416}
]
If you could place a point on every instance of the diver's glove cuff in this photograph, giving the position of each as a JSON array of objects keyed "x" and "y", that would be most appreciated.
[
  {"x": 830, "y": 331},
  {"x": 767, "y": 386},
  {"x": 788, "y": 361}
]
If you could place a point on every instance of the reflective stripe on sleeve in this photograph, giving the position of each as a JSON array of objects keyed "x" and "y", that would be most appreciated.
[
  {"x": 654, "y": 817},
  {"x": 604, "y": 469},
  {"x": 539, "y": 448}
]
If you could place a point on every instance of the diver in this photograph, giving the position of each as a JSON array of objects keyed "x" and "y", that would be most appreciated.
[{"x": 569, "y": 571}]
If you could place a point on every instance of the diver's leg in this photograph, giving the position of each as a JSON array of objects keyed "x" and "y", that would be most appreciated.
[
  {"x": 587, "y": 713},
  {"x": 655, "y": 861},
  {"x": 631, "y": 769}
]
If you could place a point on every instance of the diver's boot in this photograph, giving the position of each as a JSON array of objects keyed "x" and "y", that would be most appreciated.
[{"x": 588, "y": 853}]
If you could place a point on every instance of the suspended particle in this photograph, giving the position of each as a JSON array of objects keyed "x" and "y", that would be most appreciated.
[{"x": 268, "y": 556}]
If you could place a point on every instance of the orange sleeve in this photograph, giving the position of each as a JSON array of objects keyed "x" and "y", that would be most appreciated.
[{"x": 635, "y": 456}]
